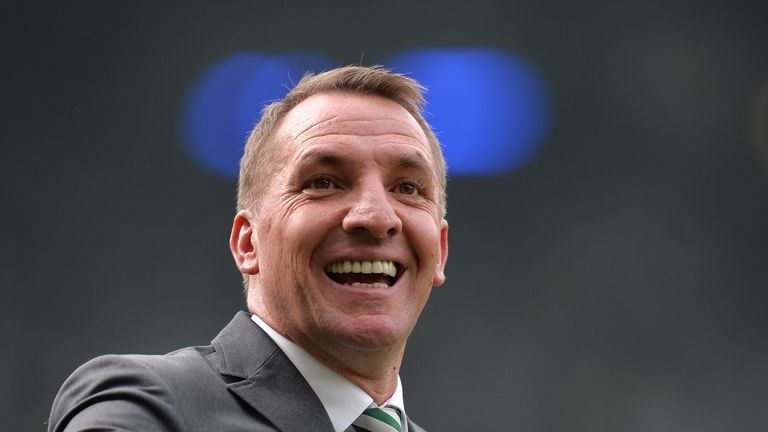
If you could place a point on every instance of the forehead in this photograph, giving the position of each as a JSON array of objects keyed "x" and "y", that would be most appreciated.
[{"x": 352, "y": 115}]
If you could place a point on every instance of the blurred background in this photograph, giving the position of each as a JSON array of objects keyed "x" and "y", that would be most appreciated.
[{"x": 608, "y": 201}]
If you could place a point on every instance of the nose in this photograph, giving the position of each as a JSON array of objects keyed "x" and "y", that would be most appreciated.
[{"x": 371, "y": 211}]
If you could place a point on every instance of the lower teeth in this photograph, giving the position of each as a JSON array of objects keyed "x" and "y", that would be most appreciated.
[{"x": 373, "y": 285}]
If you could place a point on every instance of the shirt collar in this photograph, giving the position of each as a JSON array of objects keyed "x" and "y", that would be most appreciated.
[{"x": 342, "y": 400}]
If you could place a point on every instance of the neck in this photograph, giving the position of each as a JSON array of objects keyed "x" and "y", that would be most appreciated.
[{"x": 374, "y": 371}]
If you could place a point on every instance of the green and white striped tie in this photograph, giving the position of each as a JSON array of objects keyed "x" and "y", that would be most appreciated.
[{"x": 383, "y": 419}]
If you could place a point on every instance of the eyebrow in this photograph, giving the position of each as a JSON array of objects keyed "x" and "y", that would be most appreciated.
[
  {"x": 320, "y": 157},
  {"x": 412, "y": 160},
  {"x": 324, "y": 157}
]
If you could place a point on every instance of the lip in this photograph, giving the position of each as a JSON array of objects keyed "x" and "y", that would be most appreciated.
[
  {"x": 363, "y": 257},
  {"x": 401, "y": 272},
  {"x": 345, "y": 251},
  {"x": 373, "y": 293}
]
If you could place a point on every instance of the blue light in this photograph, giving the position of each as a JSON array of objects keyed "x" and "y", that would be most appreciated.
[
  {"x": 225, "y": 103},
  {"x": 489, "y": 109}
]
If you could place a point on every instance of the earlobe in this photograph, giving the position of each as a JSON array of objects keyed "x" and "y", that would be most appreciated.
[
  {"x": 439, "y": 278},
  {"x": 242, "y": 243}
]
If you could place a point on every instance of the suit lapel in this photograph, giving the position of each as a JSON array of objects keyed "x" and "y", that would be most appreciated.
[
  {"x": 268, "y": 381},
  {"x": 413, "y": 427}
]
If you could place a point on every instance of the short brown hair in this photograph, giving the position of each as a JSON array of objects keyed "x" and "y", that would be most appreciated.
[{"x": 259, "y": 160}]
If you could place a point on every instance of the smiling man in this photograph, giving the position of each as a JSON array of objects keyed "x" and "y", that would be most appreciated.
[{"x": 340, "y": 236}]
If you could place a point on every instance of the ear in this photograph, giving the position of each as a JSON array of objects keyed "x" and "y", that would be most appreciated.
[
  {"x": 242, "y": 243},
  {"x": 440, "y": 270}
]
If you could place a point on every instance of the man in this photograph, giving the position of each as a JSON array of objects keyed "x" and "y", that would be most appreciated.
[{"x": 340, "y": 235}]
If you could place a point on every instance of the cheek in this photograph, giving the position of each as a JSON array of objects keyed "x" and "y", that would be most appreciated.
[
  {"x": 426, "y": 236},
  {"x": 301, "y": 232}
]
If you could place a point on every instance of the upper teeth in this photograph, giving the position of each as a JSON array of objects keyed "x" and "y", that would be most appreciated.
[{"x": 376, "y": 267}]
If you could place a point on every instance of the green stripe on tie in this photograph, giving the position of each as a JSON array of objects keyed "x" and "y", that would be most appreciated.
[
  {"x": 375, "y": 419},
  {"x": 380, "y": 415}
]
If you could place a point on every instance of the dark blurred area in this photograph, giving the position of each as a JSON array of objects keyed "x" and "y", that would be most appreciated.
[{"x": 616, "y": 282}]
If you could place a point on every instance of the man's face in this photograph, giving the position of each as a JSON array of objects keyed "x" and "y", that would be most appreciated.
[{"x": 349, "y": 237}]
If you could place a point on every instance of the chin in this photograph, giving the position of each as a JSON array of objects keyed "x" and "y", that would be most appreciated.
[{"x": 371, "y": 334}]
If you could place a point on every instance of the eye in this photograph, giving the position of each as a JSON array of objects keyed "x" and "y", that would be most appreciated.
[
  {"x": 320, "y": 183},
  {"x": 407, "y": 188}
]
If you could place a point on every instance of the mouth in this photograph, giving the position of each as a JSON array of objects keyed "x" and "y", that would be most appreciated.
[{"x": 364, "y": 274}]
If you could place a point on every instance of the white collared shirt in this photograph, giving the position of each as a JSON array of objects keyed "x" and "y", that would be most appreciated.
[{"x": 342, "y": 400}]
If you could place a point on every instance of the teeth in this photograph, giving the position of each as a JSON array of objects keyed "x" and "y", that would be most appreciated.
[
  {"x": 373, "y": 285},
  {"x": 377, "y": 267},
  {"x": 367, "y": 267}
]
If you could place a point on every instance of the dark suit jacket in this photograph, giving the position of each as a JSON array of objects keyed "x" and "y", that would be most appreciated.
[{"x": 241, "y": 382}]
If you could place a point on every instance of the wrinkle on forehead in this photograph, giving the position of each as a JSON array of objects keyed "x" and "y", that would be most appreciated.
[{"x": 309, "y": 126}]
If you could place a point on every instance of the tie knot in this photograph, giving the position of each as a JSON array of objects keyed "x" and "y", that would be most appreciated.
[{"x": 378, "y": 419}]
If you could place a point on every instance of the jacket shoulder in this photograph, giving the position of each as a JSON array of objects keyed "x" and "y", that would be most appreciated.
[{"x": 130, "y": 392}]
